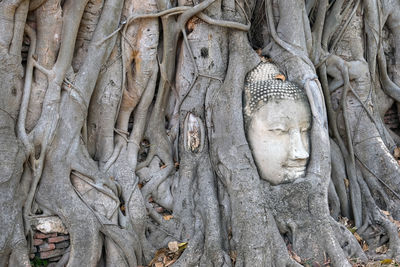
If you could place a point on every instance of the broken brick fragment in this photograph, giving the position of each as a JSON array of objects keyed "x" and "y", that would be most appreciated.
[
  {"x": 39, "y": 235},
  {"x": 38, "y": 242},
  {"x": 51, "y": 253},
  {"x": 58, "y": 239},
  {"x": 47, "y": 247}
]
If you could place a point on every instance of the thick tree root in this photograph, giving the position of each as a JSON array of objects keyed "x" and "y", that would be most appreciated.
[
  {"x": 306, "y": 222},
  {"x": 13, "y": 245},
  {"x": 82, "y": 224}
]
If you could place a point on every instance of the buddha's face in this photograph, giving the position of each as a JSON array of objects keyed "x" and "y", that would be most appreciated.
[{"x": 279, "y": 137}]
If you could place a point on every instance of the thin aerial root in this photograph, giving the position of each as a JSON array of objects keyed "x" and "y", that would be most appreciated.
[{"x": 27, "y": 92}]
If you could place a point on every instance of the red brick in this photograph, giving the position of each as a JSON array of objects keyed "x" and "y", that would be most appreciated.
[
  {"x": 40, "y": 235},
  {"x": 43, "y": 236},
  {"x": 58, "y": 239},
  {"x": 63, "y": 244},
  {"x": 47, "y": 247},
  {"x": 37, "y": 242},
  {"x": 51, "y": 253}
]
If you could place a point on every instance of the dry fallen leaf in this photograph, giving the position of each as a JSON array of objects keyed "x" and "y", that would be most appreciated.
[
  {"x": 233, "y": 255},
  {"x": 191, "y": 24},
  {"x": 358, "y": 237},
  {"x": 170, "y": 262},
  {"x": 386, "y": 261},
  {"x": 173, "y": 246},
  {"x": 397, "y": 223},
  {"x": 182, "y": 246},
  {"x": 165, "y": 257},
  {"x": 385, "y": 212},
  {"x": 280, "y": 77},
  {"x": 382, "y": 249},
  {"x": 168, "y": 217},
  {"x": 344, "y": 221},
  {"x": 396, "y": 153},
  {"x": 346, "y": 182},
  {"x": 295, "y": 257},
  {"x": 352, "y": 230},
  {"x": 159, "y": 257}
]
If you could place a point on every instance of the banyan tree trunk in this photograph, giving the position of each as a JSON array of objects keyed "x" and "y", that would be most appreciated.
[{"x": 124, "y": 118}]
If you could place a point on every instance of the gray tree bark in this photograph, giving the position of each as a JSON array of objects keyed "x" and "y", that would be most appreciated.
[{"x": 124, "y": 118}]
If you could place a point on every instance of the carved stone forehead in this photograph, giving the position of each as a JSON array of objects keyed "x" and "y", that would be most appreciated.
[{"x": 262, "y": 85}]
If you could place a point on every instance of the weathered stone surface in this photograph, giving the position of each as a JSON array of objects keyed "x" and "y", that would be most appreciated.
[{"x": 50, "y": 224}]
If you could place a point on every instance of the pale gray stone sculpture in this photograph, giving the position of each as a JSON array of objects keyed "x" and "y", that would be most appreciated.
[{"x": 277, "y": 119}]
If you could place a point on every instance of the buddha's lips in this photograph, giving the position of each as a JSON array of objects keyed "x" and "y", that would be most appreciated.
[{"x": 295, "y": 168}]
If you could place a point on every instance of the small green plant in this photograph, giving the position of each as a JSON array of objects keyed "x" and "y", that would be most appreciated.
[{"x": 37, "y": 262}]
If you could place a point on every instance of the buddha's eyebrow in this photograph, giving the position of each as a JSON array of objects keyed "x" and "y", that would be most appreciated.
[
  {"x": 279, "y": 118},
  {"x": 276, "y": 123}
]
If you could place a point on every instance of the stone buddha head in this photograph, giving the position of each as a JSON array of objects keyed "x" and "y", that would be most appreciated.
[{"x": 277, "y": 121}]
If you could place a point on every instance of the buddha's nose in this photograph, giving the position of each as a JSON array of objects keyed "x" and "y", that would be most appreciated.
[{"x": 298, "y": 150}]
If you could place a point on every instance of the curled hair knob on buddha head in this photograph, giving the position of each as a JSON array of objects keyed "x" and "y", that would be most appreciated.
[{"x": 262, "y": 85}]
